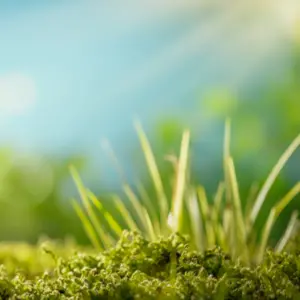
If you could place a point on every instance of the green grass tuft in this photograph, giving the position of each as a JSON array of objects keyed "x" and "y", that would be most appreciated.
[{"x": 221, "y": 221}]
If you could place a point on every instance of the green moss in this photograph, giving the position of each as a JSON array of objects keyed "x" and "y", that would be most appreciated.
[{"x": 138, "y": 269}]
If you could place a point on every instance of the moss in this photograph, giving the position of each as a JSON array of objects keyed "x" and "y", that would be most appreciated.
[{"x": 138, "y": 269}]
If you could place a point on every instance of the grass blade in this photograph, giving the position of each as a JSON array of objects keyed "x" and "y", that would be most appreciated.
[
  {"x": 226, "y": 155},
  {"x": 125, "y": 214},
  {"x": 90, "y": 212},
  {"x": 205, "y": 210},
  {"x": 87, "y": 225},
  {"x": 147, "y": 202},
  {"x": 229, "y": 230},
  {"x": 151, "y": 233},
  {"x": 271, "y": 178},
  {"x": 236, "y": 197},
  {"x": 265, "y": 235},
  {"x": 222, "y": 238},
  {"x": 227, "y": 220},
  {"x": 196, "y": 221},
  {"x": 216, "y": 210},
  {"x": 288, "y": 232},
  {"x": 217, "y": 203},
  {"x": 135, "y": 204},
  {"x": 287, "y": 198},
  {"x": 237, "y": 209},
  {"x": 254, "y": 189},
  {"x": 141, "y": 212},
  {"x": 203, "y": 203},
  {"x": 178, "y": 197},
  {"x": 114, "y": 225},
  {"x": 154, "y": 173},
  {"x": 150, "y": 208},
  {"x": 275, "y": 212}
]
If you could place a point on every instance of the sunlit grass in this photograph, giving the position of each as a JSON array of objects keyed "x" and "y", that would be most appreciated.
[{"x": 207, "y": 222}]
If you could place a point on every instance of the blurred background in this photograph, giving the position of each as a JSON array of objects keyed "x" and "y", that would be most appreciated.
[{"x": 75, "y": 74}]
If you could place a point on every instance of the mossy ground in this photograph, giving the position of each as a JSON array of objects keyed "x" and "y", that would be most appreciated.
[{"x": 138, "y": 269}]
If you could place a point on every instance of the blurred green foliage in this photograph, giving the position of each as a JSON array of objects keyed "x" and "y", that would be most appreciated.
[
  {"x": 34, "y": 260},
  {"x": 31, "y": 197}
]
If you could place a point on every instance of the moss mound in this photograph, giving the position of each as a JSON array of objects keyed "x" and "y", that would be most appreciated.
[{"x": 138, "y": 269}]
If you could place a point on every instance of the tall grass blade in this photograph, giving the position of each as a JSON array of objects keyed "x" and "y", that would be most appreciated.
[
  {"x": 237, "y": 209},
  {"x": 288, "y": 232},
  {"x": 205, "y": 211},
  {"x": 254, "y": 189},
  {"x": 227, "y": 220},
  {"x": 217, "y": 203},
  {"x": 87, "y": 205},
  {"x": 114, "y": 225},
  {"x": 265, "y": 235},
  {"x": 275, "y": 212},
  {"x": 287, "y": 198},
  {"x": 144, "y": 196},
  {"x": 87, "y": 225},
  {"x": 230, "y": 230},
  {"x": 222, "y": 238},
  {"x": 126, "y": 215},
  {"x": 135, "y": 204},
  {"x": 236, "y": 197},
  {"x": 196, "y": 221},
  {"x": 150, "y": 228},
  {"x": 226, "y": 154},
  {"x": 150, "y": 208},
  {"x": 141, "y": 212},
  {"x": 203, "y": 203},
  {"x": 216, "y": 210},
  {"x": 271, "y": 178},
  {"x": 178, "y": 197},
  {"x": 154, "y": 173}
]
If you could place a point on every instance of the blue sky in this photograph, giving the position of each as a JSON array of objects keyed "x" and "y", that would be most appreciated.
[
  {"x": 79, "y": 71},
  {"x": 78, "y": 58}
]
